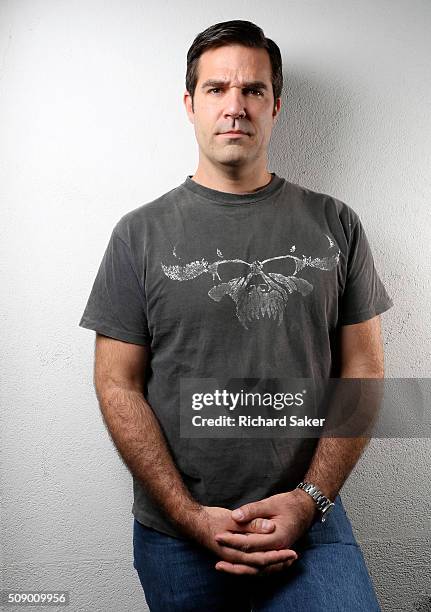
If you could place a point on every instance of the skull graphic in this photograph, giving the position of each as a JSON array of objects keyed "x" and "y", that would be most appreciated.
[{"x": 256, "y": 294}]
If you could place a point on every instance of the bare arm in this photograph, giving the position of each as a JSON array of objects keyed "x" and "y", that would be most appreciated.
[
  {"x": 334, "y": 458},
  {"x": 292, "y": 513},
  {"x": 119, "y": 376}
]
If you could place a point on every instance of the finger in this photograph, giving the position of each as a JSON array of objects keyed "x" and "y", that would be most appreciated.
[
  {"x": 275, "y": 568},
  {"x": 257, "y": 525},
  {"x": 249, "y": 542},
  {"x": 240, "y": 568},
  {"x": 257, "y": 559},
  {"x": 250, "y": 511},
  {"x": 236, "y": 568},
  {"x": 260, "y": 525}
]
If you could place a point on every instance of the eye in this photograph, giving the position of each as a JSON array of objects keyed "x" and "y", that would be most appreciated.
[
  {"x": 257, "y": 91},
  {"x": 254, "y": 91}
]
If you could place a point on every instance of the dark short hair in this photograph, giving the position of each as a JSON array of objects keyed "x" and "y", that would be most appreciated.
[{"x": 228, "y": 33}]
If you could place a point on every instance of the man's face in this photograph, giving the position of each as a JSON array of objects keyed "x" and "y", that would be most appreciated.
[{"x": 233, "y": 92}]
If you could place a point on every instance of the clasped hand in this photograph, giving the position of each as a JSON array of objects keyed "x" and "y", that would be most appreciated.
[{"x": 259, "y": 542}]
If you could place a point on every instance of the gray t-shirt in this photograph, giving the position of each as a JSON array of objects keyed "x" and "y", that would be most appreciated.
[{"x": 251, "y": 285}]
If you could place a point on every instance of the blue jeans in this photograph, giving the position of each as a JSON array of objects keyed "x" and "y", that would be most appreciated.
[{"x": 178, "y": 575}]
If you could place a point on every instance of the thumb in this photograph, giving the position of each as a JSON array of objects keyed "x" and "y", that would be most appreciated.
[{"x": 248, "y": 512}]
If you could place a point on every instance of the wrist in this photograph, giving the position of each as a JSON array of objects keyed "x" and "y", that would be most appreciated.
[
  {"x": 323, "y": 504},
  {"x": 307, "y": 503},
  {"x": 188, "y": 515}
]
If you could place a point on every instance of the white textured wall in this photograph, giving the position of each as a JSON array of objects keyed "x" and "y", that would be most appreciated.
[{"x": 92, "y": 125}]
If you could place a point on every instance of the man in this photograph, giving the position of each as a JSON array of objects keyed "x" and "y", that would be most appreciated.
[{"x": 236, "y": 274}]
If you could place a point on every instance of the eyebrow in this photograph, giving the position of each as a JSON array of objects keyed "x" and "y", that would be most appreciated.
[{"x": 248, "y": 84}]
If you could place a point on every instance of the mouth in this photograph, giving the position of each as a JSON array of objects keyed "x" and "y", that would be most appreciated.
[{"x": 233, "y": 134}]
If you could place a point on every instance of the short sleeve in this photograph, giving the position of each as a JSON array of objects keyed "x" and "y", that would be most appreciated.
[
  {"x": 364, "y": 295},
  {"x": 116, "y": 306}
]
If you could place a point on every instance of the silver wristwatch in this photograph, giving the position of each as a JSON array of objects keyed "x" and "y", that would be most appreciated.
[{"x": 323, "y": 503}]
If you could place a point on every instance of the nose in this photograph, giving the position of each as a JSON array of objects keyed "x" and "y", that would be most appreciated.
[{"x": 234, "y": 103}]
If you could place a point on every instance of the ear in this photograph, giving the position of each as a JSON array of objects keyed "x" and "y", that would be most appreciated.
[
  {"x": 276, "y": 110},
  {"x": 187, "y": 99}
]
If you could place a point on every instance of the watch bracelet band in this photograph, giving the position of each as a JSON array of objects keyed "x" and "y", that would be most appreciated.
[{"x": 321, "y": 500}]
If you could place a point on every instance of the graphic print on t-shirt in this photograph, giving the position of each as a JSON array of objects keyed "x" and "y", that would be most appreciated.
[{"x": 257, "y": 294}]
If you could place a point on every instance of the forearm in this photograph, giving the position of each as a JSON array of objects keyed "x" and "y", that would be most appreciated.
[
  {"x": 335, "y": 458},
  {"x": 333, "y": 461},
  {"x": 141, "y": 443}
]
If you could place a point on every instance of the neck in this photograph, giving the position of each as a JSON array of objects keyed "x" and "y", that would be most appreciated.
[{"x": 232, "y": 180}]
